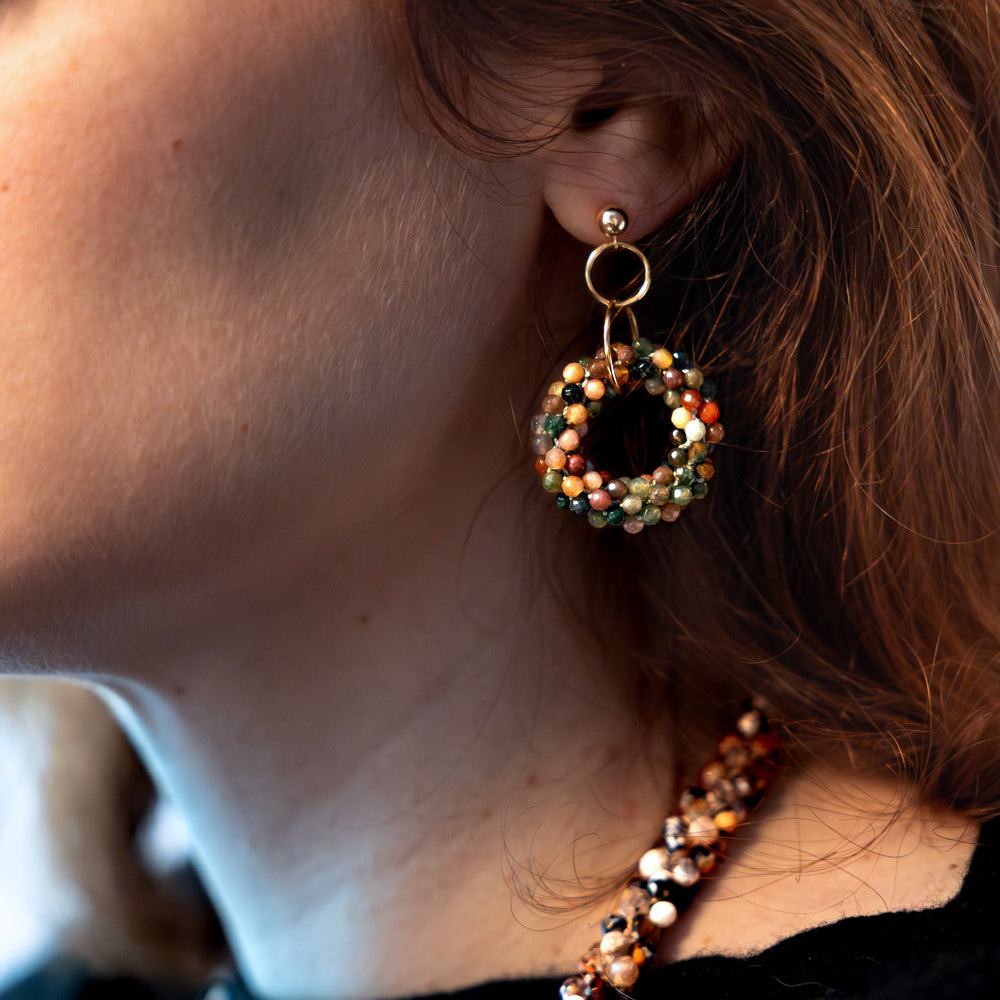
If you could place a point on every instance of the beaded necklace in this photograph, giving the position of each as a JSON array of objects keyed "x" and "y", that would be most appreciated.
[{"x": 667, "y": 876}]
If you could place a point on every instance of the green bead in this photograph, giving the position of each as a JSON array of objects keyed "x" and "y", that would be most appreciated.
[
  {"x": 594, "y": 408},
  {"x": 639, "y": 487},
  {"x": 680, "y": 495},
  {"x": 552, "y": 481},
  {"x": 643, "y": 347},
  {"x": 596, "y": 519},
  {"x": 684, "y": 476},
  {"x": 699, "y": 489},
  {"x": 614, "y": 515},
  {"x": 562, "y": 501},
  {"x": 650, "y": 514},
  {"x": 555, "y": 424}
]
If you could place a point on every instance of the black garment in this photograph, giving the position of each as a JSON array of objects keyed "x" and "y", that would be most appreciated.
[{"x": 950, "y": 953}]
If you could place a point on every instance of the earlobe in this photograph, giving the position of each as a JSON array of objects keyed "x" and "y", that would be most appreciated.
[{"x": 652, "y": 160}]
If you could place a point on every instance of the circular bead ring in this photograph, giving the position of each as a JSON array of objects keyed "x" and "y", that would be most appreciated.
[{"x": 572, "y": 405}]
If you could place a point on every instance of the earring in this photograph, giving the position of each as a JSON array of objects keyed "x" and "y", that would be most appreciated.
[{"x": 578, "y": 398}]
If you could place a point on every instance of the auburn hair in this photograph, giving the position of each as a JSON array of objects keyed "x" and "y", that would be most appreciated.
[{"x": 841, "y": 283}]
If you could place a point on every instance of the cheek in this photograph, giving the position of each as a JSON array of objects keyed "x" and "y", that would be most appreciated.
[
  {"x": 228, "y": 281},
  {"x": 119, "y": 276}
]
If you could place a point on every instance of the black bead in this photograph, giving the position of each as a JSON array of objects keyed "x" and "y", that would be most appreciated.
[
  {"x": 579, "y": 505},
  {"x": 642, "y": 368},
  {"x": 614, "y": 515},
  {"x": 572, "y": 392},
  {"x": 660, "y": 888},
  {"x": 681, "y": 360},
  {"x": 683, "y": 895},
  {"x": 707, "y": 389},
  {"x": 614, "y": 922},
  {"x": 692, "y": 796},
  {"x": 562, "y": 501}
]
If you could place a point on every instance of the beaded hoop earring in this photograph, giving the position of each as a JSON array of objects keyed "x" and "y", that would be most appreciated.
[{"x": 578, "y": 398}]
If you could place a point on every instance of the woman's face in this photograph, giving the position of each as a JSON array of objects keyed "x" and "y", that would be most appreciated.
[{"x": 241, "y": 292}]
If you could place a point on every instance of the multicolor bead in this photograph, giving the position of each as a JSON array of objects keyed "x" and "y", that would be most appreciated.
[
  {"x": 634, "y": 502},
  {"x": 663, "y": 883}
]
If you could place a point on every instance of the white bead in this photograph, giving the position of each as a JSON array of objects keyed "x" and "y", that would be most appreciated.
[
  {"x": 622, "y": 973},
  {"x": 663, "y": 913},
  {"x": 680, "y": 418},
  {"x": 653, "y": 862},
  {"x": 694, "y": 429},
  {"x": 684, "y": 872},
  {"x": 748, "y": 724},
  {"x": 613, "y": 944},
  {"x": 702, "y": 832}
]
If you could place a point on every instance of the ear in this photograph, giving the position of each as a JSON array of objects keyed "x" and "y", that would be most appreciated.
[{"x": 650, "y": 160}]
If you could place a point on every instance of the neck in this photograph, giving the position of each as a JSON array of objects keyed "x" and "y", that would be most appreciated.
[
  {"x": 382, "y": 760},
  {"x": 379, "y": 768}
]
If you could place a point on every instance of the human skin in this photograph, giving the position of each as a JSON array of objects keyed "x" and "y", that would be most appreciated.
[{"x": 263, "y": 334}]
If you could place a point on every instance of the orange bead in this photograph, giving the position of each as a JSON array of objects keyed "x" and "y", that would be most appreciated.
[
  {"x": 594, "y": 389},
  {"x": 591, "y": 480},
  {"x": 726, "y": 821},
  {"x": 555, "y": 458},
  {"x": 556, "y": 389},
  {"x": 572, "y": 486},
  {"x": 540, "y": 467},
  {"x": 708, "y": 412},
  {"x": 576, "y": 413},
  {"x": 573, "y": 372},
  {"x": 662, "y": 358},
  {"x": 691, "y": 399}
]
